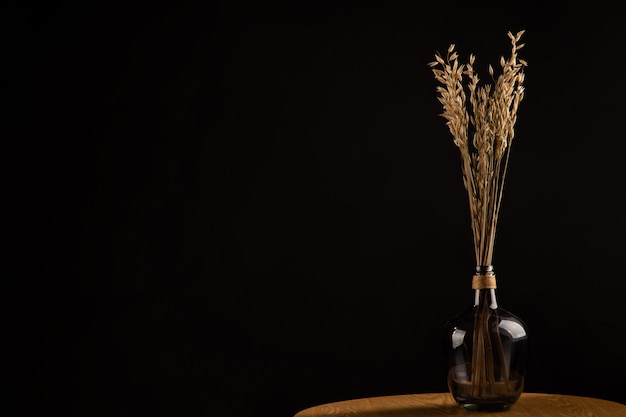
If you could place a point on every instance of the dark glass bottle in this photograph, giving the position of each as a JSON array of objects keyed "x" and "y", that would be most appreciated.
[{"x": 487, "y": 350}]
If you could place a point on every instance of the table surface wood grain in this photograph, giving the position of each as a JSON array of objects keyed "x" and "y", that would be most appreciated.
[{"x": 442, "y": 404}]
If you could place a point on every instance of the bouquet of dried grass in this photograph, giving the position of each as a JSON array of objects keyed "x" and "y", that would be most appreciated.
[
  {"x": 492, "y": 116},
  {"x": 483, "y": 130}
]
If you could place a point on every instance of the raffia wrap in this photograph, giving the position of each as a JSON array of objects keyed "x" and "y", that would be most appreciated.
[{"x": 482, "y": 282}]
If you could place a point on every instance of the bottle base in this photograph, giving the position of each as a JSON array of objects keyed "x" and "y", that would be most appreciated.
[
  {"x": 496, "y": 396},
  {"x": 490, "y": 403}
]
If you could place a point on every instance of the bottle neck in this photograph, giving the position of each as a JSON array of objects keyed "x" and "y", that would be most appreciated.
[
  {"x": 486, "y": 296},
  {"x": 484, "y": 285}
]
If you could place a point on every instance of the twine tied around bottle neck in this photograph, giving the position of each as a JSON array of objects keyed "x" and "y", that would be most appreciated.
[{"x": 484, "y": 278}]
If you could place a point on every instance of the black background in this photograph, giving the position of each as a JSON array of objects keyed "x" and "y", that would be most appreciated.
[{"x": 221, "y": 208}]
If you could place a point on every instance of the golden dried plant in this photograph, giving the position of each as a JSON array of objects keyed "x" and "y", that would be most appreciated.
[{"x": 489, "y": 119}]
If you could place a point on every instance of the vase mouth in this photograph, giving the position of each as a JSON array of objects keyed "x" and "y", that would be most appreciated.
[{"x": 485, "y": 270}]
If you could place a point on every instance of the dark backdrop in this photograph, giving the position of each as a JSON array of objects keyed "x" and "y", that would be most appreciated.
[{"x": 231, "y": 209}]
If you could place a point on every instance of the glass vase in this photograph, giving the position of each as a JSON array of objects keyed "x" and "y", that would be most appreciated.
[{"x": 486, "y": 349}]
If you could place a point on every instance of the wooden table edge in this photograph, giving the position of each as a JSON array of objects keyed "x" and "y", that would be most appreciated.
[{"x": 447, "y": 398}]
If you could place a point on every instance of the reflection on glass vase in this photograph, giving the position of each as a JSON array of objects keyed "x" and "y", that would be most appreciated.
[{"x": 487, "y": 350}]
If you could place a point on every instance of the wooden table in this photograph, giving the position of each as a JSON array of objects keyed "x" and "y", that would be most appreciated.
[{"x": 442, "y": 404}]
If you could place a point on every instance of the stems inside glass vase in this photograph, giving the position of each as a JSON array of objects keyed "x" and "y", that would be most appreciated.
[{"x": 489, "y": 375}]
